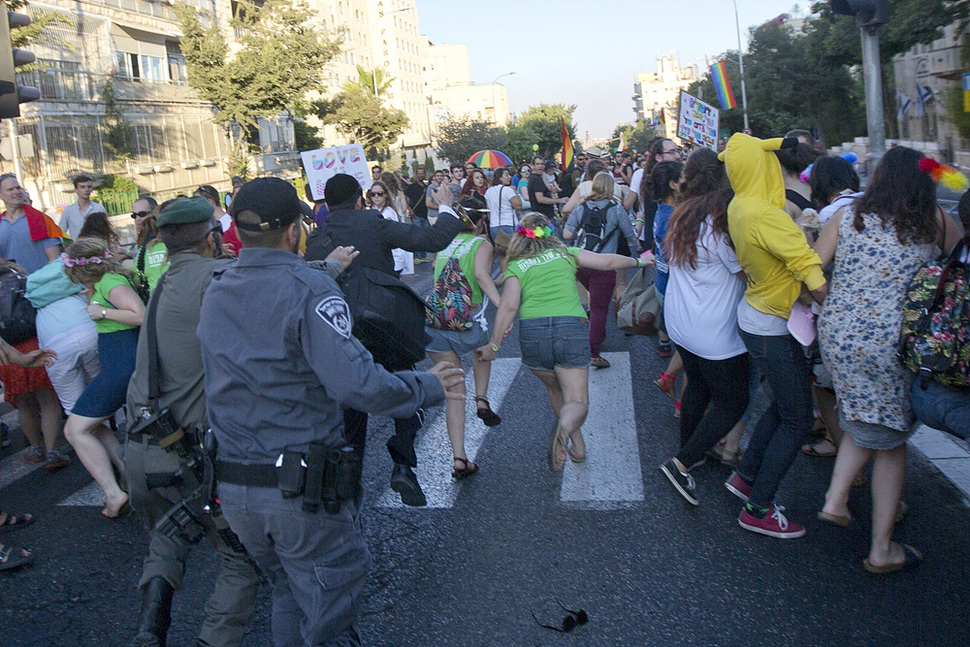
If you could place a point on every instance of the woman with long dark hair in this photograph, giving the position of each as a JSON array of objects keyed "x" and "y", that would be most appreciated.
[
  {"x": 877, "y": 244},
  {"x": 701, "y": 312}
]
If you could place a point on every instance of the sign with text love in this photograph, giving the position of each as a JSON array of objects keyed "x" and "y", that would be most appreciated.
[
  {"x": 699, "y": 121},
  {"x": 322, "y": 164}
]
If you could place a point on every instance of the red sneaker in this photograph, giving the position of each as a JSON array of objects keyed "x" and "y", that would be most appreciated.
[
  {"x": 736, "y": 486},
  {"x": 774, "y": 524}
]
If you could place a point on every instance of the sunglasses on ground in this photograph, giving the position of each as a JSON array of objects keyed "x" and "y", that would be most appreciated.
[
  {"x": 570, "y": 622},
  {"x": 140, "y": 214}
]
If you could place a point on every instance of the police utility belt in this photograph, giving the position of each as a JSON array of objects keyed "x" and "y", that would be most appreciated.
[{"x": 324, "y": 475}]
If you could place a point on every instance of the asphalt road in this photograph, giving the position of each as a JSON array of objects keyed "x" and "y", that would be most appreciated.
[{"x": 654, "y": 571}]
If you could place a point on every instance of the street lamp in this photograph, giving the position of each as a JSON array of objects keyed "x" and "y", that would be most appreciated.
[
  {"x": 744, "y": 93},
  {"x": 494, "y": 83}
]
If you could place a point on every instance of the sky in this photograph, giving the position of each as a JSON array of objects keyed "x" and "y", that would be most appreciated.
[{"x": 588, "y": 52}]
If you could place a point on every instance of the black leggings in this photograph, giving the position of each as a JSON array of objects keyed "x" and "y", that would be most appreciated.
[{"x": 724, "y": 383}]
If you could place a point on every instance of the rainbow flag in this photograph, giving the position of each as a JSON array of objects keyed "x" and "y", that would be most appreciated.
[
  {"x": 661, "y": 120},
  {"x": 722, "y": 84},
  {"x": 567, "y": 147}
]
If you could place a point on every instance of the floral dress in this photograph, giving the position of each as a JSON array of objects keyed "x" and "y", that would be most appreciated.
[{"x": 859, "y": 330}]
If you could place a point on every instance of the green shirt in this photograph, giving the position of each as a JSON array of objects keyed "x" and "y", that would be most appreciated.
[
  {"x": 156, "y": 262},
  {"x": 548, "y": 284},
  {"x": 100, "y": 297},
  {"x": 464, "y": 246}
]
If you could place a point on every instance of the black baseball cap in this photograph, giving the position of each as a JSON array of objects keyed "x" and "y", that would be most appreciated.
[{"x": 264, "y": 204}]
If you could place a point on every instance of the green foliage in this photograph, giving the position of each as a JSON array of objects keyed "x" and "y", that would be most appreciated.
[
  {"x": 542, "y": 123},
  {"x": 952, "y": 101},
  {"x": 638, "y": 135},
  {"x": 34, "y": 33},
  {"x": 521, "y": 139},
  {"x": 116, "y": 183},
  {"x": 459, "y": 138},
  {"x": 281, "y": 57},
  {"x": 305, "y": 136},
  {"x": 363, "y": 118},
  {"x": 368, "y": 81},
  {"x": 118, "y": 131},
  {"x": 429, "y": 165}
]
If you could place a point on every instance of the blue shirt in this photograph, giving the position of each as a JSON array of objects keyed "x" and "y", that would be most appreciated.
[
  {"x": 16, "y": 245},
  {"x": 660, "y": 223}
]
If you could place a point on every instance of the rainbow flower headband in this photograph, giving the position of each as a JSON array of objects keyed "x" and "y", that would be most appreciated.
[
  {"x": 538, "y": 232},
  {"x": 945, "y": 175},
  {"x": 89, "y": 260}
]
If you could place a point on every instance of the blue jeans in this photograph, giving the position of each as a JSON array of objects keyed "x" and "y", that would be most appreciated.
[
  {"x": 783, "y": 428},
  {"x": 316, "y": 562},
  {"x": 942, "y": 408},
  {"x": 509, "y": 229}
]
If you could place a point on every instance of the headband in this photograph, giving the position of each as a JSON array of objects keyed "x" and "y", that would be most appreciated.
[
  {"x": 84, "y": 260},
  {"x": 538, "y": 232},
  {"x": 945, "y": 175}
]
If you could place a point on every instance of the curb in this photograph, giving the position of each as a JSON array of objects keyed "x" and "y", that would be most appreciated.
[{"x": 948, "y": 454}]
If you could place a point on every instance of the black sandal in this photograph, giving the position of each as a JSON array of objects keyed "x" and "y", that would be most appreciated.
[
  {"x": 468, "y": 469},
  {"x": 489, "y": 417},
  {"x": 13, "y": 522},
  {"x": 13, "y": 557}
]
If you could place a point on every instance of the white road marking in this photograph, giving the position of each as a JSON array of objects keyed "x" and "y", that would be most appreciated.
[
  {"x": 89, "y": 495},
  {"x": 611, "y": 476},
  {"x": 434, "y": 449}
]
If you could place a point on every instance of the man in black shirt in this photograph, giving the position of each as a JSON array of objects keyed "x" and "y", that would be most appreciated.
[{"x": 539, "y": 194}]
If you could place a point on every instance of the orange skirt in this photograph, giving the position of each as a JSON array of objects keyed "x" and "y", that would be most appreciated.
[{"x": 18, "y": 380}]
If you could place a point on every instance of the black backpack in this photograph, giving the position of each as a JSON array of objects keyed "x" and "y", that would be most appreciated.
[
  {"x": 592, "y": 235},
  {"x": 16, "y": 314}
]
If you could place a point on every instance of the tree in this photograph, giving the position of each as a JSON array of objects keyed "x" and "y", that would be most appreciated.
[
  {"x": 375, "y": 81},
  {"x": 462, "y": 136},
  {"x": 280, "y": 58},
  {"x": 305, "y": 136},
  {"x": 118, "y": 132},
  {"x": 35, "y": 33},
  {"x": 638, "y": 135},
  {"x": 543, "y": 123},
  {"x": 363, "y": 118}
]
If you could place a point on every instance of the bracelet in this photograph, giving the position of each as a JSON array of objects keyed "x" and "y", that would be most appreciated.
[{"x": 640, "y": 220}]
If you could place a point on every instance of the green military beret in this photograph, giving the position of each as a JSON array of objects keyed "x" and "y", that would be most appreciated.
[{"x": 186, "y": 211}]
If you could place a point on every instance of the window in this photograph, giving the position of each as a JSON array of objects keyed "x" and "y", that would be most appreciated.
[
  {"x": 176, "y": 69},
  {"x": 59, "y": 81}
]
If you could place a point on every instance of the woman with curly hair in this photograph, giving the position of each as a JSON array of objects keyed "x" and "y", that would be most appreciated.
[
  {"x": 475, "y": 183},
  {"x": 117, "y": 311},
  {"x": 553, "y": 329},
  {"x": 877, "y": 244},
  {"x": 701, "y": 312}
]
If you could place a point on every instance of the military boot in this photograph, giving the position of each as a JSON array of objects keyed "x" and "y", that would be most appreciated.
[{"x": 156, "y": 614}]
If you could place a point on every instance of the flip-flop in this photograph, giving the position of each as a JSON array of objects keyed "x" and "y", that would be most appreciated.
[
  {"x": 15, "y": 522},
  {"x": 810, "y": 449},
  {"x": 554, "y": 442},
  {"x": 911, "y": 559},
  {"x": 835, "y": 519},
  {"x": 10, "y": 560}
]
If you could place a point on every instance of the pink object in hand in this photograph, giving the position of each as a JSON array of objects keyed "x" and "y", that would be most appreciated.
[{"x": 801, "y": 323}]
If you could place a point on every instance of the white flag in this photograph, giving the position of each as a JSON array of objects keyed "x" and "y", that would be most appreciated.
[{"x": 903, "y": 104}]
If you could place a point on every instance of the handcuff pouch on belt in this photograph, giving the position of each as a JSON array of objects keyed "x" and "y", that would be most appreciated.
[{"x": 323, "y": 475}]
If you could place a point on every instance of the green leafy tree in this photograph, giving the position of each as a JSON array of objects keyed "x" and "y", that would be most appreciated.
[
  {"x": 305, "y": 136},
  {"x": 460, "y": 137},
  {"x": 542, "y": 121},
  {"x": 118, "y": 131},
  {"x": 368, "y": 81},
  {"x": 281, "y": 57},
  {"x": 638, "y": 135},
  {"x": 363, "y": 118},
  {"x": 35, "y": 33},
  {"x": 521, "y": 138}
]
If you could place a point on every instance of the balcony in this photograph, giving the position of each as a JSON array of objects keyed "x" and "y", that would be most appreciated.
[{"x": 154, "y": 92}]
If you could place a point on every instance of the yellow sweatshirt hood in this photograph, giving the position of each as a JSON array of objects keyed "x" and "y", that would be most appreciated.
[{"x": 753, "y": 168}]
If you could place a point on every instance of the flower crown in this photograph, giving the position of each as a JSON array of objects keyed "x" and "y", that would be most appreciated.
[
  {"x": 945, "y": 175},
  {"x": 84, "y": 260},
  {"x": 538, "y": 232}
]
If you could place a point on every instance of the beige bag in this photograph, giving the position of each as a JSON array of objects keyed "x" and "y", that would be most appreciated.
[{"x": 639, "y": 307}]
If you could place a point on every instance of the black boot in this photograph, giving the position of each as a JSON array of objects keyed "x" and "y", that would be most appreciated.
[
  {"x": 156, "y": 614},
  {"x": 405, "y": 483}
]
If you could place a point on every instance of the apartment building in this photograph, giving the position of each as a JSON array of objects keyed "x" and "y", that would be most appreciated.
[{"x": 660, "y": 91}]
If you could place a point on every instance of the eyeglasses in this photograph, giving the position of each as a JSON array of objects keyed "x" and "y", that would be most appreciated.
[
  {"x": 570, "y": 622},
  {"x": 677, "y": 150},
  {"x": 378, "y": 193},
  {"x": 140, "y": 214}
]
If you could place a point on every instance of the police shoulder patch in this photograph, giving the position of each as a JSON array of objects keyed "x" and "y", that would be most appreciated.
[{"x": 335, "y": 312}]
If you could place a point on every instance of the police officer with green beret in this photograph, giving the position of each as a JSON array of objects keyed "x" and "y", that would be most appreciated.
[{"x": 280, "y": 365}]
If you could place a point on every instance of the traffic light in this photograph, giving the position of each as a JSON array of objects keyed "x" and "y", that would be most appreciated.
[
  {"x": 11, "y": 94},
  {"x": 868, "y": 13}
]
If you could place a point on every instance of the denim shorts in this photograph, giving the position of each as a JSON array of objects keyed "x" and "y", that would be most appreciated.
[
  {"x": 461, "y": 343},
  {"x": 548, "y": 342}
]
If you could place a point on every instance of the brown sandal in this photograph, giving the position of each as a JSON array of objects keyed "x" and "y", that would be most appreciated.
[{"x": 466, "y": 471}]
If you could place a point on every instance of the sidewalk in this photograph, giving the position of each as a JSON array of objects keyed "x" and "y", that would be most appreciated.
[{"x": 948, "y": 454}]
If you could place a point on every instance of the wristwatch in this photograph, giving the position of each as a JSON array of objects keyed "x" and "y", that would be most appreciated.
[
  {"x": 494, "y": 347},
  {"x": 104, "y": 313}
]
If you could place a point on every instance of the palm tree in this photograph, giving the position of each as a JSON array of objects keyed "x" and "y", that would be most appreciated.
[{"x": 371, "y": 81}]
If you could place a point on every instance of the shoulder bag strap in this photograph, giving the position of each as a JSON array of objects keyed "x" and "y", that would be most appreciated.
[{"x": 154, "y": 390}]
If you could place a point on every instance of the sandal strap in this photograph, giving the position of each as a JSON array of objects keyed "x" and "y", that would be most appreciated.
[{"x": 482, "y": 398}]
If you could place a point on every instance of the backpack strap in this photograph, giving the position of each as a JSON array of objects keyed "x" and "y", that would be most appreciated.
[{"x": 151, "y": 330}]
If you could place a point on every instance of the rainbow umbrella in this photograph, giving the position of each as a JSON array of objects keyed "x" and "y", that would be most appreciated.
[{"x": 490, "y": 159}]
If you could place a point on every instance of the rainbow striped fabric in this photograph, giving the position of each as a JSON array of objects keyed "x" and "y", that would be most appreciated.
[
  {"x": 567, "y": 146},
  {"x": 722, "y": 84}
]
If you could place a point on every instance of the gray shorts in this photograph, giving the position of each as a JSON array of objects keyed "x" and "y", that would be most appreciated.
[
  {"x": 548, "y": 342},
  {"x": 461, "y": 343}
]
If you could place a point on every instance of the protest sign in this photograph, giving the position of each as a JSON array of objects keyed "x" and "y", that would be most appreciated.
[
  {"x": 322, "y": 164},
  {"x": 698, "y": 123}
]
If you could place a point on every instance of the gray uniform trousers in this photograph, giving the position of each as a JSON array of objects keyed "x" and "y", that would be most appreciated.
[{"x": 231, "y": 606}]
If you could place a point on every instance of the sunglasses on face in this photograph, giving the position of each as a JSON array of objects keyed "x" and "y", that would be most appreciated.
[
  {"x": 570, "y": 622},
  {"x": 140, "y": 214},
  {"x": 377, "y": 193}
]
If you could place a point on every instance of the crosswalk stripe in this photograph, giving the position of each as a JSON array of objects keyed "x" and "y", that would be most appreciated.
[
  {"x": 611, "y": 475},
  {"x": 433, "y": 448},
  {"x": 89, "y": 495},
  {"x": 14, "y": 467}
]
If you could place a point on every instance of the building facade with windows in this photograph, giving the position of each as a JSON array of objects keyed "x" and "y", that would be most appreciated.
[{"x": 658, "y": 93}]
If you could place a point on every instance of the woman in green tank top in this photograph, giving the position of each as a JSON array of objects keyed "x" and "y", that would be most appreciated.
[
  {"x": 553, "y": 329},
  {"x": 473, "y": 252}
]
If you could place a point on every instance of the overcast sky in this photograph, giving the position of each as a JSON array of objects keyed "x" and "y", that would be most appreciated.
[{"x": 587, "y": 52}]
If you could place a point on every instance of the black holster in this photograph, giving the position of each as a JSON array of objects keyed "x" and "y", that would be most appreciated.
[
  {"x": 324, "y": 476},
  {"x": 164, "y": 430}
]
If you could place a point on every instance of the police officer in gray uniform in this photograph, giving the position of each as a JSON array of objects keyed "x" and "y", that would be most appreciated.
[
  {"x": 192, "y": 236},
  {"x": 280, "y": 363}
]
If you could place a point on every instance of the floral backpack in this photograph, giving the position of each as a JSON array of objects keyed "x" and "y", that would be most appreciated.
[
  {"x": 450, "y": 302},
  {"x": 935, "y": 339}
]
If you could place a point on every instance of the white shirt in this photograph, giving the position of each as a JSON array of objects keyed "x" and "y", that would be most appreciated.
[
  {"x": 225, "y": 222},
  {"x": 403, "y": 260},
  {"x": 500, "y": 209},
  {"x": 585, "y": 188},
  {"x": 832, "y": 208},
  {"x": 701, "y": 305},
  {"x": 72, "y": 220}
]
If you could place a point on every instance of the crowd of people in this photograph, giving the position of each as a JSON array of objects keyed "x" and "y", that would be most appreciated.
[{"x": 736, "y": 241}]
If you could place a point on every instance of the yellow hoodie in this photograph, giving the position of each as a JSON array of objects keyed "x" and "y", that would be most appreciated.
[{"x": 769, "y": 245}]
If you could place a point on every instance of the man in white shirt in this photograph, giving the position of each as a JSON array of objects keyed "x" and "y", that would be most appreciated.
[{"x": 74, "y": 215}]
